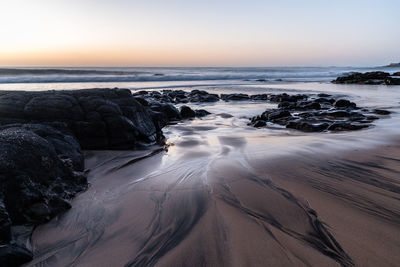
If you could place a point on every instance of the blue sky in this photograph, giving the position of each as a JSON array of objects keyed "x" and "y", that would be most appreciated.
[{"x": 199, "y": 33}]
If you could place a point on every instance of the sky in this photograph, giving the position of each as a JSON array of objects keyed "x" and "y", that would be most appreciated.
[{"x": 199, "y": 33}]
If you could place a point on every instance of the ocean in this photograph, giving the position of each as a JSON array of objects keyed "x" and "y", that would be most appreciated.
[{"x": 156, "y": 77}]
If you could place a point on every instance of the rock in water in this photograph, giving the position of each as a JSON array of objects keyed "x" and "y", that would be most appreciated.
[
  {"x": 375, "y": 77},
  {"x": 187, "y": 112}
]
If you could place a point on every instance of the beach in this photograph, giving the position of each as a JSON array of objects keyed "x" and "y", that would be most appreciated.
[{"x": 222, "y": 193}]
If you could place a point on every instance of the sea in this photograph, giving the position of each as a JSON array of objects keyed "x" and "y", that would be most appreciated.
[{"x": 43, "y": 78}]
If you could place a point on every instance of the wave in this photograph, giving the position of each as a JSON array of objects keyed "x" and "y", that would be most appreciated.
[{"x": 81, "y": 75}]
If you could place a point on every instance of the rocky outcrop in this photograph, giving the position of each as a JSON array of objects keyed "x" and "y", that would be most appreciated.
[
  {"x": 98, "y": 118},
  {"x": 316, "y": 113},
  {"x": 376, "y": 77},
  {"x": 41, "y": 168}
]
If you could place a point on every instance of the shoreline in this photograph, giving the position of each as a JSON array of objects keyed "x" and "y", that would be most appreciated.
[
  {"x": 232, "y": 233},
  {"x": 206, "y": 180}
]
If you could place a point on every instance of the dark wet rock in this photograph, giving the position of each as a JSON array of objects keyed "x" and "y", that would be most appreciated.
[
  {"x": 187, "y": 112},
  {"x": 309, "y": 113},
  {"x": 169, "y": 110},
  {"x": 344, "y": 103},
  {"x": 287, "y": 105},
  {"x": 307, "y": 126},
  {"x": 201, "y": 112},
  {"x": 278, "y": 114},
  {"x": 202, "y": 96},
  {"x": 381, "y": 112},
  {"x": 261, "y": 80},
  {"x": 392, "y": 81},
  {"x": 337, "y": 113},
  {"x": 287, "y": 98},
  {"x": 324, "y": 95},
  {"x": 396, "y": 73},
  {"x": 41, "y": 168},
  {"x": 235, "y": 97},
  {"x": 374, "y": 78},
  {"x": 259, "y": 97},
  {"x": 325, "y": 100},
  {"x": 346, "y": 126},
  {"x": 306, "y": 105},
  {"x": 14, "y": 255},
  {"x": 98, "y": 118},
  {"x": 142, "y": 101},
  {"x": 225, "y": 115},
  {"x": 259, "y": 123}
]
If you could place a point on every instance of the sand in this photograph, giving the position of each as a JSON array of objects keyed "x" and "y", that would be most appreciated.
[{"x": 193, "y": 206}]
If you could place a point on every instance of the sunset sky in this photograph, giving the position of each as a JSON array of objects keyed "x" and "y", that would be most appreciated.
[{"x": 199, "y": 33}]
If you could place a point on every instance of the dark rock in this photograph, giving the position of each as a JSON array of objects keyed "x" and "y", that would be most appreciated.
[
  {"x": 187, "y": 112},
  {"x": 308, "y": 105},
  {"x": 91, "y": 114},
  {"x": 287, "y": 105},
  {"x": 337, "y": 113},
  {"x": 169, "y": 110},
  {"x": 396, "y": 73},
  {"x": 41, "y": 167},
  {"x": 278, "y": 114},
  {"x": 381, "y": 112},
  {"x": 392, "y": 81},
  {"x": 346, "y": 126},
  {"x": 344, "y": 103},
  {"x": 259, "y": 97},
  {"x": 142, "y": 101},
  {"x": 306, "y": 126},
  {"x": 376, "y": 77},
  {"x": 235, "y": 97},
  {"x": 259, "y": 123},
  {"x": 261, "y": 80},
  {"x": 325, "y": 100},
  {"x": 13, "y": 255},
  {"x": 201, "y": 113},
  {"x": 287, "y": 98},
  {"x": 5, "y": 225},
  {"x": 314, "y": 115},
  {"x": 324, "y": 95}
]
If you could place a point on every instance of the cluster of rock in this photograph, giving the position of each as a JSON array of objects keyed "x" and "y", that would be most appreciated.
[
  {"x": 376, "y": 77},
  {"x": 151, "y": 98},
  {"x": 316, "y": 113},
  {"x": 41, "y": 163},
  {"x": 162, "y": 102}
]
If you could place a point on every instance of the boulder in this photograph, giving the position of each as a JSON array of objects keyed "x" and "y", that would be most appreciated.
[
  {"x": 344, "y": 103},
  {"x": 259, "y": 123},
  {"x": 187, "y": 112},
  {"x": 235, "y": 97},
  {"x": 201, "y": 112},
  {"x": 41, "y": 168},
  {"x": 96, "y": 117},
  {"x": 381, "y": 112},
  {"x": 375, "y": 77},
  {"x": 306, "y": 126}
]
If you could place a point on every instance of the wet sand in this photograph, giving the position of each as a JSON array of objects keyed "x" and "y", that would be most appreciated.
[
  {"x": 225, "y": 194},
  {"x": 187, "y": 207}
]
